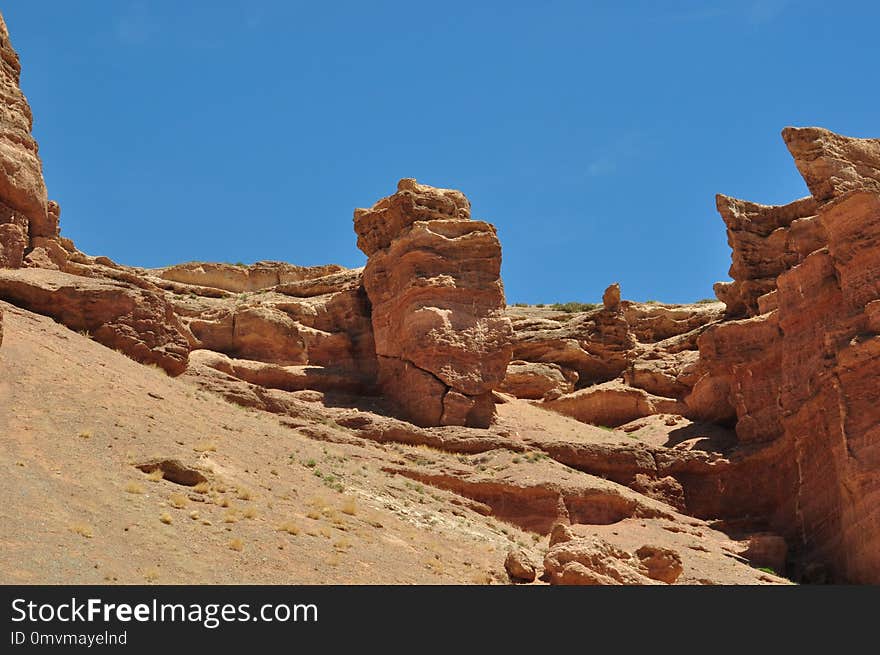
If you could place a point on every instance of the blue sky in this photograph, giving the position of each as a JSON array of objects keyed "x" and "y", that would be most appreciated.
[{"x": 594, "y": 135}]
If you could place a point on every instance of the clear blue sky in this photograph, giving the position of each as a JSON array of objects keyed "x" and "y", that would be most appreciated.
[{"x": 594, "y": 135}]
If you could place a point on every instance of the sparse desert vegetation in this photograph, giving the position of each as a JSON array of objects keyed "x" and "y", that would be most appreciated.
[
  {"x": 574, "y": 307},
  {"x": 177, "y": 501},
  {"x": 83, "y": 530},
  {"x": 289, "y": 527},
  {"x": 349, "y": 506}
]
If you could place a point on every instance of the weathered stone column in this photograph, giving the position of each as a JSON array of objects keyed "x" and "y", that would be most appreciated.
[
  {"x": 433, "y": 279},
  {"x": 28, "y": 221}
]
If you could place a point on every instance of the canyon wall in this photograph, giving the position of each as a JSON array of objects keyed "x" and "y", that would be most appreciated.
[{"x": 803, "y": 369}]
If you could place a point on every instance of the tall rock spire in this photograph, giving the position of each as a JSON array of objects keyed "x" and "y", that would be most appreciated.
[
  {"x": 433, "y": 278},
  {"x": 24, "y": 208}
]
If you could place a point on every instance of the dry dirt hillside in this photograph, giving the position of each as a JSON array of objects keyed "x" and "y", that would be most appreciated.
[
  {"x": 399, "y": 423},
  {"x": 250, "y": 496}
]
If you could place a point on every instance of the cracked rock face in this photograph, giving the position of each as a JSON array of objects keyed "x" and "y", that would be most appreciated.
[{"x": 433, "y": 279}]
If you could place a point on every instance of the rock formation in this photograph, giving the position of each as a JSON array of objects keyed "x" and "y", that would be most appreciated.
[
  {"x": 432, "y": 278},
  {"x": 593, "y": 561},
  {"x": 651, "y": 443},
  {"x": 610, "y": 365},
  {"x": 518, "y": 566},
  {"x": 611, "y": 297},
  {"x": 538, "y": 380},
  {"x": 765, "y": 240},
  {"x": 803, "y": 371},
  {"x": 832, "y": 164},
  {"x": 23, "y": 204},
  {"x": 28, "y": 220},
  {"x": 132, "y": 319}
]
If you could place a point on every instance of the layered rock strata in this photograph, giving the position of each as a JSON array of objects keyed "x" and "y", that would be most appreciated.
[
  {"x": 28, "y": 220},
  {"x": 803, "y": 371}
]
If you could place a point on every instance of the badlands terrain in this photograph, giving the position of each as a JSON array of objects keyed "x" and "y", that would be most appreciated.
[{"x": 399, "y": 423}]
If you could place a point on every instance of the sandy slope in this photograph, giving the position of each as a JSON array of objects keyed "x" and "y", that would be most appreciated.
[{"x": 76, "y": 418}]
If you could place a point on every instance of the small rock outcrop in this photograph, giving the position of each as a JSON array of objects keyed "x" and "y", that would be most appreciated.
[
  {"x": 136, "y": 321},
  {"x": 832, "y": 164},
  {"x": 765, "y": 240},
  {"x": 612, "y": 404},
  {"x": 608, "y": 365},
  {"x": 433, "y": 280},
  {"x": 594, "y": 561},
  {"x": 611, "y": 297},
  {"x": 538, "y": 380}
]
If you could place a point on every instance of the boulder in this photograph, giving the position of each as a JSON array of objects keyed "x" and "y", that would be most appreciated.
[
  {"x": 519, "y": 566},
  {"x": 612, "y": 404},
  {"x": 659, "y": 563},
  {"x": 537, "y": 381},
  {"x": 560, "y": 533},
  {"x": 592, "y": 561}
]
